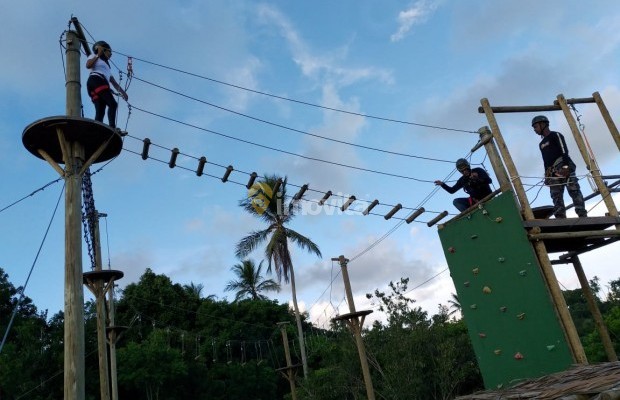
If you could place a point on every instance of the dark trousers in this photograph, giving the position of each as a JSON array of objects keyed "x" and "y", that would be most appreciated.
[
  {"x": 102, "y": 97},
  {"x": 463, "y": 203}
]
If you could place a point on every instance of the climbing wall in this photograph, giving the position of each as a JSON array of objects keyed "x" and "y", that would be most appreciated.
[{"x": 511, "y": 320}]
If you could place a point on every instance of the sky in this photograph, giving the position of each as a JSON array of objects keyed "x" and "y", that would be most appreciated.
[{"x": 364, "y": 98}]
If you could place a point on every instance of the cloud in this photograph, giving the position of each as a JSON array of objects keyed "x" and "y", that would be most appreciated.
[{"x": 418, "y": 13}]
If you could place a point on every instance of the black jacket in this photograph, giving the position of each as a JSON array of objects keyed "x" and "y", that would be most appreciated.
[{"x": 478, "y": 188}]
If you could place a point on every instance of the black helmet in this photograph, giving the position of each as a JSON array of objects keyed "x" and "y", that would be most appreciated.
[
  {"x": 539, "y": 118},
  {"x": 101, "y": 43},
  {"x": 462, "y": 164}
]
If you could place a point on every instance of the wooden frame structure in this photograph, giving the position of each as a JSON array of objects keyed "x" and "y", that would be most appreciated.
[{"x": 573, "y": 236}]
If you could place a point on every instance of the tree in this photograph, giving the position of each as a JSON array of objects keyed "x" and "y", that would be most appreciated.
[
  {"x": 250, "y": 283},
  {"x": 277, "y": 214}
]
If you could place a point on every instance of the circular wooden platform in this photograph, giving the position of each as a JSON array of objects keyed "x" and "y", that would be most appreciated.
[
  {"x": 116, "y": 330},
  {"x": 91, "y": 134},
  {"x": 105, "y": 275}
]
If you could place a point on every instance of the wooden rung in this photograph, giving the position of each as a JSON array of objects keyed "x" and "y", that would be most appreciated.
[
  {"x": 229, "y": 169},
  {"x": 347, "y": 203},
  {"x": 370, "y": 207},
  {"x": 173, "y": 158},
  {"x": 145, "y": 148},
  {"x": 324, "y": 199},
  {"x": 201, "y": 165},
  {"x": 393, "y": 211},
  {"x": 253, "y": 176},
  {"x": 437, "y": 219},
  {"x": 415, "y": 215}
]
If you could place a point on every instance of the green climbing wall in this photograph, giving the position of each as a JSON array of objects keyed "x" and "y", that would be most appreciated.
[{"x": 511, "y": 320}]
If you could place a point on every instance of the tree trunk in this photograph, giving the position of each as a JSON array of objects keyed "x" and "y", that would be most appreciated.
[{"x": 300, "y": 331}]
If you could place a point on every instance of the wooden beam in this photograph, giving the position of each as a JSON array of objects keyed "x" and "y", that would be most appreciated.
[{"x": 51, "y": 161}]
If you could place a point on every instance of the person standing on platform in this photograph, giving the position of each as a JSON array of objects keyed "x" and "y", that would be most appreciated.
[
  {"x": 559, "y": 168},
  {"x": 99, "y": 80},
  {"x": 475, "y": 182}
]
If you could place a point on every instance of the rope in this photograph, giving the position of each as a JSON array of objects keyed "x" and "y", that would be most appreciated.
[{"x": 23, "y": 289}]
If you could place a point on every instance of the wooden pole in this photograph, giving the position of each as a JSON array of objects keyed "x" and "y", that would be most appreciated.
[
  {"x": 104, "y": 380},
  {"x": 510, "y": 165},
  {"x": 594, "y": 310},
  {"x": 486, "y": 137},
  {"x": 356, "y": 327},
  {"x": 541, "y": 251},
  {"x": 74, "y": 380},
  {"x": 592, "y": 166},
  {"x": 289, "y": 365},
  {"x": 112, "y": 344},
  {"x": 607, "y": 118}
]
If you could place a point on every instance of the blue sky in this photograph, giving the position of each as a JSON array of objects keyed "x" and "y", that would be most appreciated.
[{"x": 426, "y": 62}]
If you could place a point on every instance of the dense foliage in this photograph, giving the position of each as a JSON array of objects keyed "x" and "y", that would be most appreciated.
[{"x": 181, "y": 345}]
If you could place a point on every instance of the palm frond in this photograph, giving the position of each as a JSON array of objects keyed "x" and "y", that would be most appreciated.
[
  {"x": 249, "y": 243},
  {"x": 303, "y": 242}
]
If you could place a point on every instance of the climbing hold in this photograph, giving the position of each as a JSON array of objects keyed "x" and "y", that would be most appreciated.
[
  {"x": 523, "y": 272},
  {"x": 451, "y": 249},
  {"x": 497, "y": 352},
  {"x": 503, "y": 308},
  {"x": 473, "y": 306},
  {"x": 485, "y": 212},
  {"x": 482, "y": 335},
  {"x": 500, "y": 385},
  {"x": 499, "y": 219},
  {"x": 501, "y": 259},
  {"x": 551, "y": 347},
  {"x": 474, "y": 236},
  {"x": 521, "y": 316},
  {"x": 466, "y": 284},
  {"x": 518, "y": 356},
  {"x": 486, "y": 290},
  {"x": 475, "y": 270}
]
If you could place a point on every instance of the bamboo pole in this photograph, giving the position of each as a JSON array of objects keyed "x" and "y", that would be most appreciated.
[
  {"x": 510, "y": 165},
  {"x": 486, "y": 137},
  {"x": 594, "y": 310},
  {"x": 573, "y": 235},
  {"x": 607, "y": 118},
  {"x": 592, "y": 167}
]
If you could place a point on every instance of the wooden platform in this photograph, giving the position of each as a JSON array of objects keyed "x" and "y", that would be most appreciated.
[
  {"x": 105, "y": 275},
  {"x": 91, "y": 134},
  {"x": 577, "y": 244}
]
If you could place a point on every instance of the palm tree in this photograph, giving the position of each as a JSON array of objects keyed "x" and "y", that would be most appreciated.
[
  {"x": 250, "y": 283},
  {"x": 455, "y": 304},
  {"x": 277, "y": 214},
  {"x": 194, "y": 290}
]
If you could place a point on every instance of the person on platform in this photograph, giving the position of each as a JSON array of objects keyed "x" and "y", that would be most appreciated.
[
  {"x": 559, "y": 168},
  {"x": 99, "y": 80},
  {"x": 475, "y": 182}
]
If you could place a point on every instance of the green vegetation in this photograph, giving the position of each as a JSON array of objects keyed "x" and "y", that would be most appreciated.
[{"x": 181, "y": 345}]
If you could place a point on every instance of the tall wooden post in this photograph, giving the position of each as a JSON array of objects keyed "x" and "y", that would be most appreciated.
[
  {"x": 594, "y": 310},
  {"x": 592, "y": 167},
  {"x": 613, "y": 129},
  {"x": 486, "y": 138},
  {"x": 355, "y": 324},
  {"x": 77, "y": 143},
  {"x": 112, "y": 344},
  {"x": 104, "y": 381},
  {"x": 287, "y": 354},
  {"x": 510, "y": 165},
  {"x": 74, "y": 385}
]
